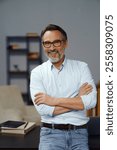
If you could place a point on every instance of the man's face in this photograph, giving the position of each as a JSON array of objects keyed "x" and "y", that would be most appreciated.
[{"x": 54, "y": 45}]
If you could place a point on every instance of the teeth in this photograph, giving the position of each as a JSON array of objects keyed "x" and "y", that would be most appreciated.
[{"x": 53, "y": 52}]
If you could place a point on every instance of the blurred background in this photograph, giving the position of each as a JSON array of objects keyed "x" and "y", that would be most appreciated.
[{"x": 21, "y": 22}]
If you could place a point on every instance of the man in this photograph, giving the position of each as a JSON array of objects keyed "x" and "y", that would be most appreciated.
[{"x": 62, "y": 90}]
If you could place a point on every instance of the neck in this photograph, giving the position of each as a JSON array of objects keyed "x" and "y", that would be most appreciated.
[{"x": 59, "y": 63}]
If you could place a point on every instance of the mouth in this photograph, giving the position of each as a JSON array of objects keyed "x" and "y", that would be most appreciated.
[{"x": 53, "y": 53}]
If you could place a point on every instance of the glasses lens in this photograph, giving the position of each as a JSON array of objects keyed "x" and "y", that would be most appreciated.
[
  {"x": 47, "y": 44},
  {"x": 57, "y": 43}
]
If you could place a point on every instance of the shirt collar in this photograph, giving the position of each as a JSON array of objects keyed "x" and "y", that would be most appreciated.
[{"x": 51, "y": 66}]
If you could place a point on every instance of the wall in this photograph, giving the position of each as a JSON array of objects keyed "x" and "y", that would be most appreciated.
[{"x": 80, "y": 19}]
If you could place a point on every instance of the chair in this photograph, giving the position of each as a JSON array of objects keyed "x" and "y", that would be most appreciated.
[{"x": 12, "y": 106}]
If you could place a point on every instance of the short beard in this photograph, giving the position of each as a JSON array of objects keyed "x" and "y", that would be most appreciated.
[{"x": 55, "y": 60}]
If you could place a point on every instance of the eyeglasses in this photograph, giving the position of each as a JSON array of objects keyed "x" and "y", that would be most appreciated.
[{"x": 56, "y": 43}]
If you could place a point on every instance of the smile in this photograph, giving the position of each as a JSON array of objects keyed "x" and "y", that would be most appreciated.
[{"x": 52, "y": 52}]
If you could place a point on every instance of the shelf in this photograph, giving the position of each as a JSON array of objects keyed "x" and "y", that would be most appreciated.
[
  {"x": 17, "y": 38},
  {"x": 18, "y": 51},
  {"x": 33, "y": 59},
  {"x": 18, "y": 72},
  {"x": 33, "y": 56},
  {"x": 23, "y": 54},
  {"x": 33, "y": 38}
]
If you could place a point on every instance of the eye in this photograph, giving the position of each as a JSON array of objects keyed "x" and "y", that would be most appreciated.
[
  {"x": 57, "y": 43},
  {"x": 47, "y": 43}
]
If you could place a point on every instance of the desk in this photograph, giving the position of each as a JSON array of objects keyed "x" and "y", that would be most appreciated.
[{"x": 30, "y": 140}]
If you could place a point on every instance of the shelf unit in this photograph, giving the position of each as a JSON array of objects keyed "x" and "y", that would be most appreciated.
[{"x": 23, "y": 54}]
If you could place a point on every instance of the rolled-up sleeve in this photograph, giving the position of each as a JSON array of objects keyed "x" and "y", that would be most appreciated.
[
  {"x": 36, "y": 86},
  {"x": 89, "y": 100}
]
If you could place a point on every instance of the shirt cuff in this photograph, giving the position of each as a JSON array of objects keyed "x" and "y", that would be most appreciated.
[
  {"x": 45, "y": 110},
  {"x": 87, "y": 102}
]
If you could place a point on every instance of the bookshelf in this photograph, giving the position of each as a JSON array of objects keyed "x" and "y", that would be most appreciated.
[{"x": 23, "y": 54}]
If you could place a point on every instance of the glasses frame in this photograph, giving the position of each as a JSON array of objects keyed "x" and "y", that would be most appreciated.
[{"x": 53, "y": 43}]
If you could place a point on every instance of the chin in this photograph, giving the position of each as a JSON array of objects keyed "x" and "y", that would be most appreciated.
[{"x": 54, "y": 60}]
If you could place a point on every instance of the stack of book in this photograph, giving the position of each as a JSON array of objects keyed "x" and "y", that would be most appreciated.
[{"x": 16, "y": 127}]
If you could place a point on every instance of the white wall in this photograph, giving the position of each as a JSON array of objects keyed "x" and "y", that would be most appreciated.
[{"x": 80, "y": 19}]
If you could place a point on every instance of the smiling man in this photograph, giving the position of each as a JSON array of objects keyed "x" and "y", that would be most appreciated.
[{"x": 62, "y": 90}]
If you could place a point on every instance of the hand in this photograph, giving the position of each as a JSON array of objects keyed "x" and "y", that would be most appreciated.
[
  {"x": 85, "y": 89},
  {"x": 42, "y": 98}
]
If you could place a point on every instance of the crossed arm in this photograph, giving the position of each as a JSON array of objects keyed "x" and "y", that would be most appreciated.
[{"x": 63, "y": 105}]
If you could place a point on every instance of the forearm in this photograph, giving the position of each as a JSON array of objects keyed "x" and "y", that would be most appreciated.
[
  {"x": 70, "y": 103},
  {"x": 60, "y": 110}
]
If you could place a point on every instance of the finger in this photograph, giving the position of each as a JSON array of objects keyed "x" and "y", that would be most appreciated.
[
  {"x": 38, "y": 98},
  {"x": 38, "y": 101},
  {"x": 89, "y": 92},
  {"x": 83, "y": 85},
  {"x": 38, "y": 94},
  {"x": 87, "y": 87}
]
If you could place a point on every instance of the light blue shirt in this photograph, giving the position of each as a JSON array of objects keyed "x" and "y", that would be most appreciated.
[{"x": 63, "y": 83}]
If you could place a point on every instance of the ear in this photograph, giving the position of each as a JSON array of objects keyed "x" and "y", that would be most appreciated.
[{"x": 66, "y": 44}]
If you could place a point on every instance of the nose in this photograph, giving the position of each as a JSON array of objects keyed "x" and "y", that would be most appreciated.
[{"x": 52, "y": 46}]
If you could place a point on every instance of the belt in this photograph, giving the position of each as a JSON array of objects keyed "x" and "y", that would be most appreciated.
[{"x": 63, "y": 126}]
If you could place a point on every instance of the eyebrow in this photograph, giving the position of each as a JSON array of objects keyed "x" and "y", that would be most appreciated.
[{"x": 54, "y": 40}]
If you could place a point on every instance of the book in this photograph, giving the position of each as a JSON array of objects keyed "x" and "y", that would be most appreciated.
[
  {"x": 11, "y": 124},
  {"x": 21, "y": 130}
]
